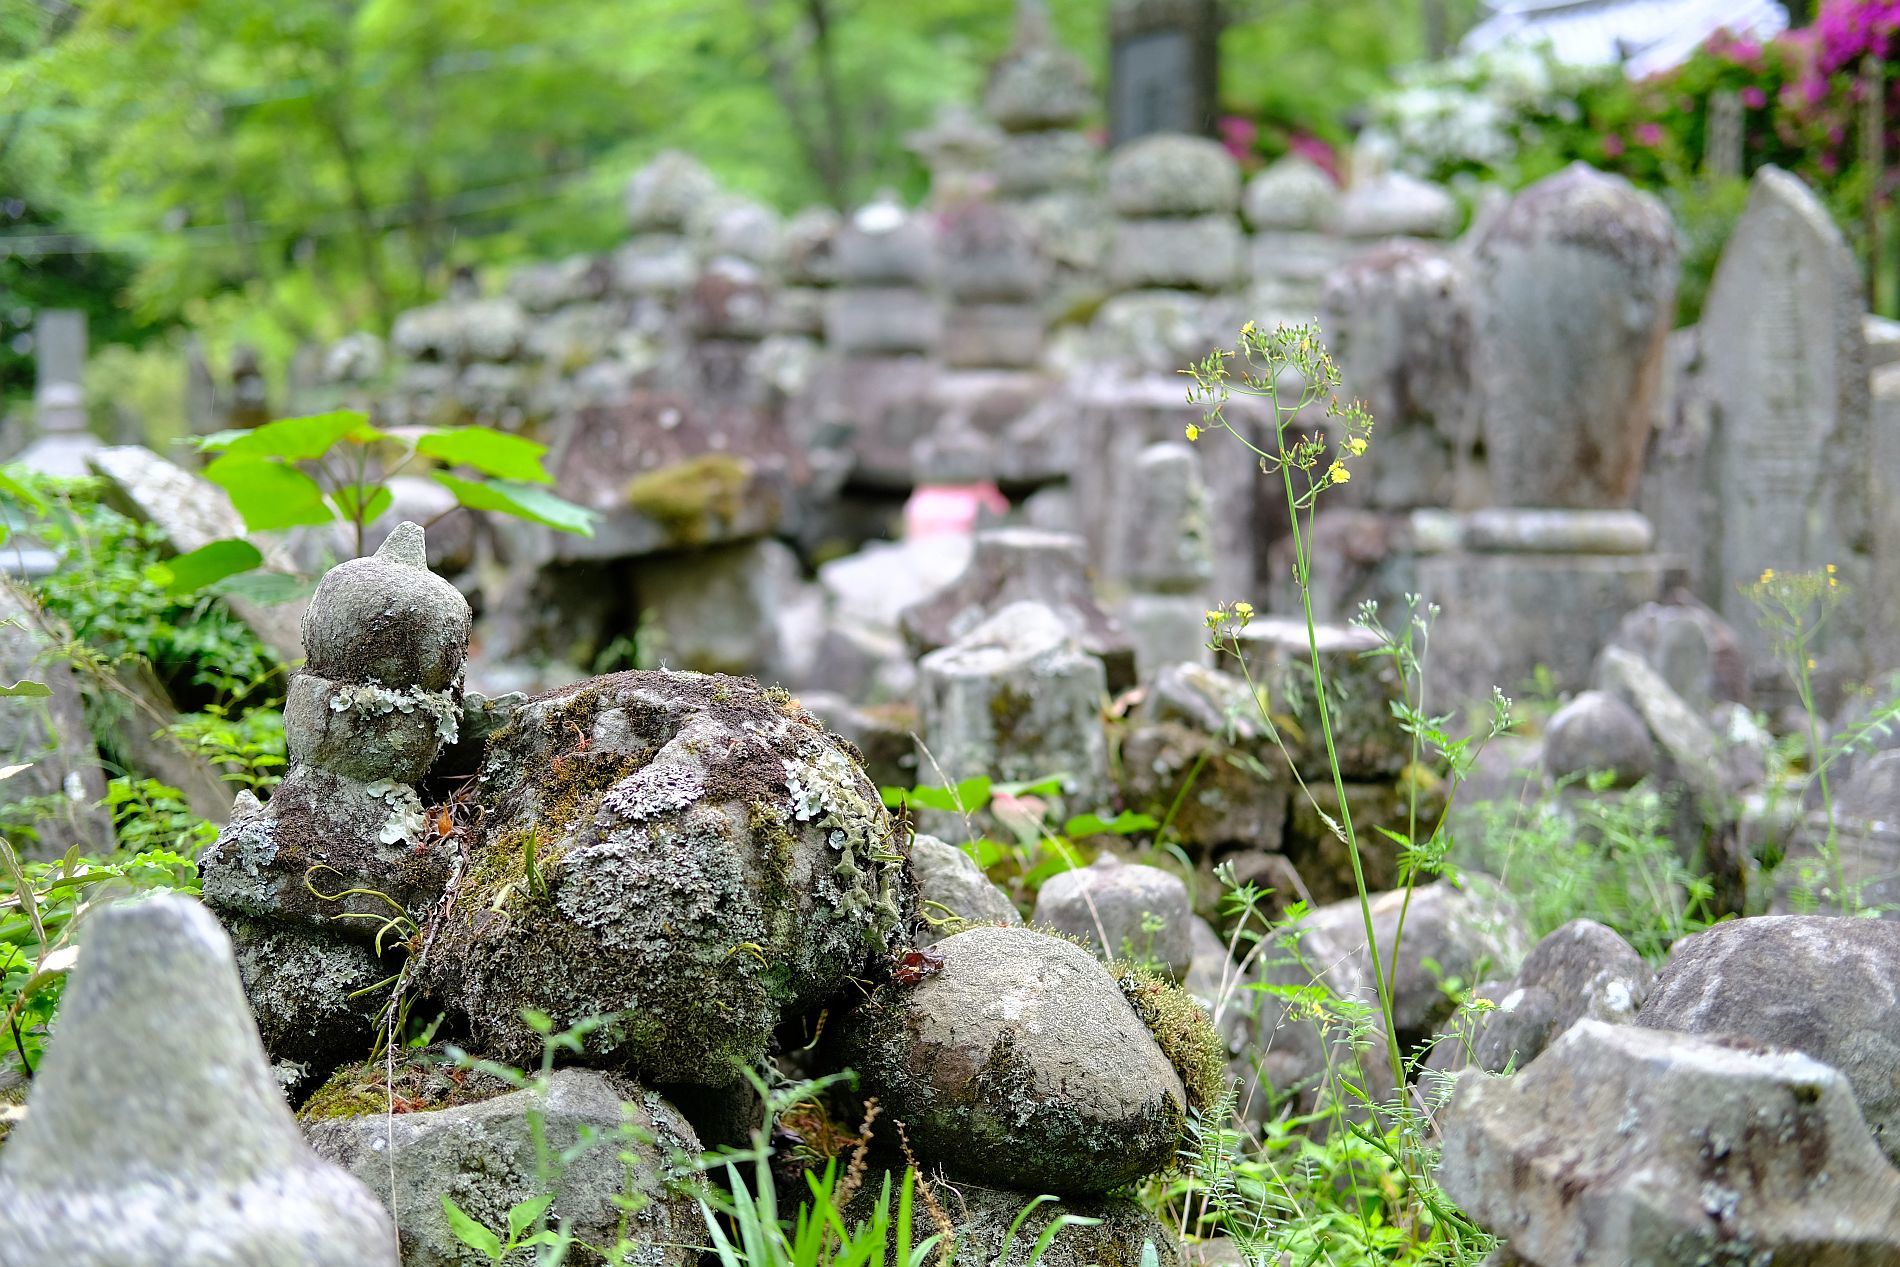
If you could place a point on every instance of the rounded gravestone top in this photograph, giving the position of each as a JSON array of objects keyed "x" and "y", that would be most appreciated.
[
  {"x": 1292, "y": 194},
  {"x": 1172, "y": 175},
  {"x": 662, "y": 196},
  {"x": 388, "y": 619}
]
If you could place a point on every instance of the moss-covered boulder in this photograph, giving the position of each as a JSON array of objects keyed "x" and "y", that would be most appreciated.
[
  {"x": 482, "y": 1156},
  {"x": 1019, "y": 1063},
  {"x": 692, "y": 856}
]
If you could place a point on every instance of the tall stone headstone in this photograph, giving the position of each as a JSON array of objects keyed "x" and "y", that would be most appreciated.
[
  {"x": 1784, "y": 370},
  {"x": 1164, "y": 67},
  {"x": 1575, "y": 290},
  {"x": 59, "y": 395}
]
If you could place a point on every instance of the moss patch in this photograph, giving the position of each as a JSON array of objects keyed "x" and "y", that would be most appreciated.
[
  {"x": 1181, "y": 1028},
  {"x": 424, "y": 1080},
  {"x": 686, "y": 496}
]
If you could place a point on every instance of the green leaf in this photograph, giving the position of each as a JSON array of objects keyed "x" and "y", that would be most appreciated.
[
  {"x": 1126, "y": 823},
  {"x": 525, "y": 1214},
  {"x": 20, "y": 492},
  {"x": 267, "y": 589},
  {"x": 523, "y": 501},
  {"x": 344, "y": 499},
  {"x": 469, "y": 1232},
  {"x": 211, "y": 563},
  {"x": 493, "y": 453},
  {"x": 966, "y": 797},
  {"x": 269, "y": 494},
  {"x": 26, "y": 690},
  {"x": 297, "y": 439}
]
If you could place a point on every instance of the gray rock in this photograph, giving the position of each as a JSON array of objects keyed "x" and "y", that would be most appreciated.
[
  {"x": 1008, "y": 565},
  {"x": 48, "y": 736},
  {"x": 1397, "y": 205},
  {"x": 739, "y": 228},
  {"x": 155, "y": 1135},
  {"x": 713, "y": 610},
  {"x": 658, "y": 264},
  {"x": 1172, "y": 175},
  {"x": 1211, "y": 790},
  {"x": 1400, "y": 324},
  {"x": 541, "y": 288},
  {"x": 1016, "y": 698},
  {"x": 1062, "y": 166},
  {"x": 808, "y": 240},
  {"x": 1598, "y": 732},
  {"x": 1006, "y": 336},
  {"x": 1581, "y": 970},
  {"x": 705, "y": 859},
  {"x": 989, "y": 254},
  {"x": 1360, "y": 686},
  {"x": 953, "y": 892},
  {"x": 1291, "y": 194},
  {"x": 459, "y": 331},
  {"x": 312, "y": 993},
  {"x": 1815, "y": 984},
  {"x": 1576, "y": 284},
  {"x": 884, "y": 244},
  {"x": 1169, "y": 533},
  {"x": 1204, "y": 252},
  {"x": 664, "y": 195},
  {"x": 882, "y": 319},
  {"x": 1690, "y": 648},
  {"x": 1623, "y": 1145},
  {"x": 1020, "y": 1063},
  {"x": 1691, "y": 748},
  {"x": 1038, "y": 84},
  {"x": 482, "y": 1156},
  {"x": 876, "y": 584},
  {"x": 1471, "y": 935},
  {"x": 1125, "y": 911}
]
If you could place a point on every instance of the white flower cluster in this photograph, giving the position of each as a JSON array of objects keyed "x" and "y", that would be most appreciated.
[{"x": 1477, "y": 110}]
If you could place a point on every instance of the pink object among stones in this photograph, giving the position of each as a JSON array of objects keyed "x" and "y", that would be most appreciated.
[{"x": 940, "y": 510}]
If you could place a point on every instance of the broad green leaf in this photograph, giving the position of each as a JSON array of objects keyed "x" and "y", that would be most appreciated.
[
  {"x": 493, "y": 453},
  {"x": 378, "y": 501},
  {"x": 1126, "y": 823},
  {"x": 267, "y": 589},
  {"x": 26, "y": 690},
  {"x": 20, "y": 492},
  {"x": 469, "y": 1232},
  {"x": 525, "y": 1214},
  {"x": 269, "y": 494},
  {"x": 207, "y": 564},
  {"x": 298, "y": 439},
  {"x": 523, "y": 501}
]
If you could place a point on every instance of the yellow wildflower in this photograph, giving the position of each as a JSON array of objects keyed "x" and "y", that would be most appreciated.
[
  {"x": 1246, "y": 330},
  {"x": 1193, "y": 433},
  {"x": 1810, "y": 662},
  {"x": 1338, "y": 474},
  {"x": 1244, "y": 610},
  {"x": 1767, "y": 575},
  {"x": 1356, "y": 446},
  {"x": 1830, "y": 569}
]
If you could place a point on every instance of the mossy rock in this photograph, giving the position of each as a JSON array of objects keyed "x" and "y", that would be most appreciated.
[
  {"x": 1020, "y": 1063},
  {"x": 690, "y": 855}
]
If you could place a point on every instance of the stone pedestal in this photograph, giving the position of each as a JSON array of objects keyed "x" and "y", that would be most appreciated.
[{"x": 1534, "y": 588}]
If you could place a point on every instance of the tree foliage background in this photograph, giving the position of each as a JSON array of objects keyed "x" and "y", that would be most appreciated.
[{"x": 279, "y": 173}]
